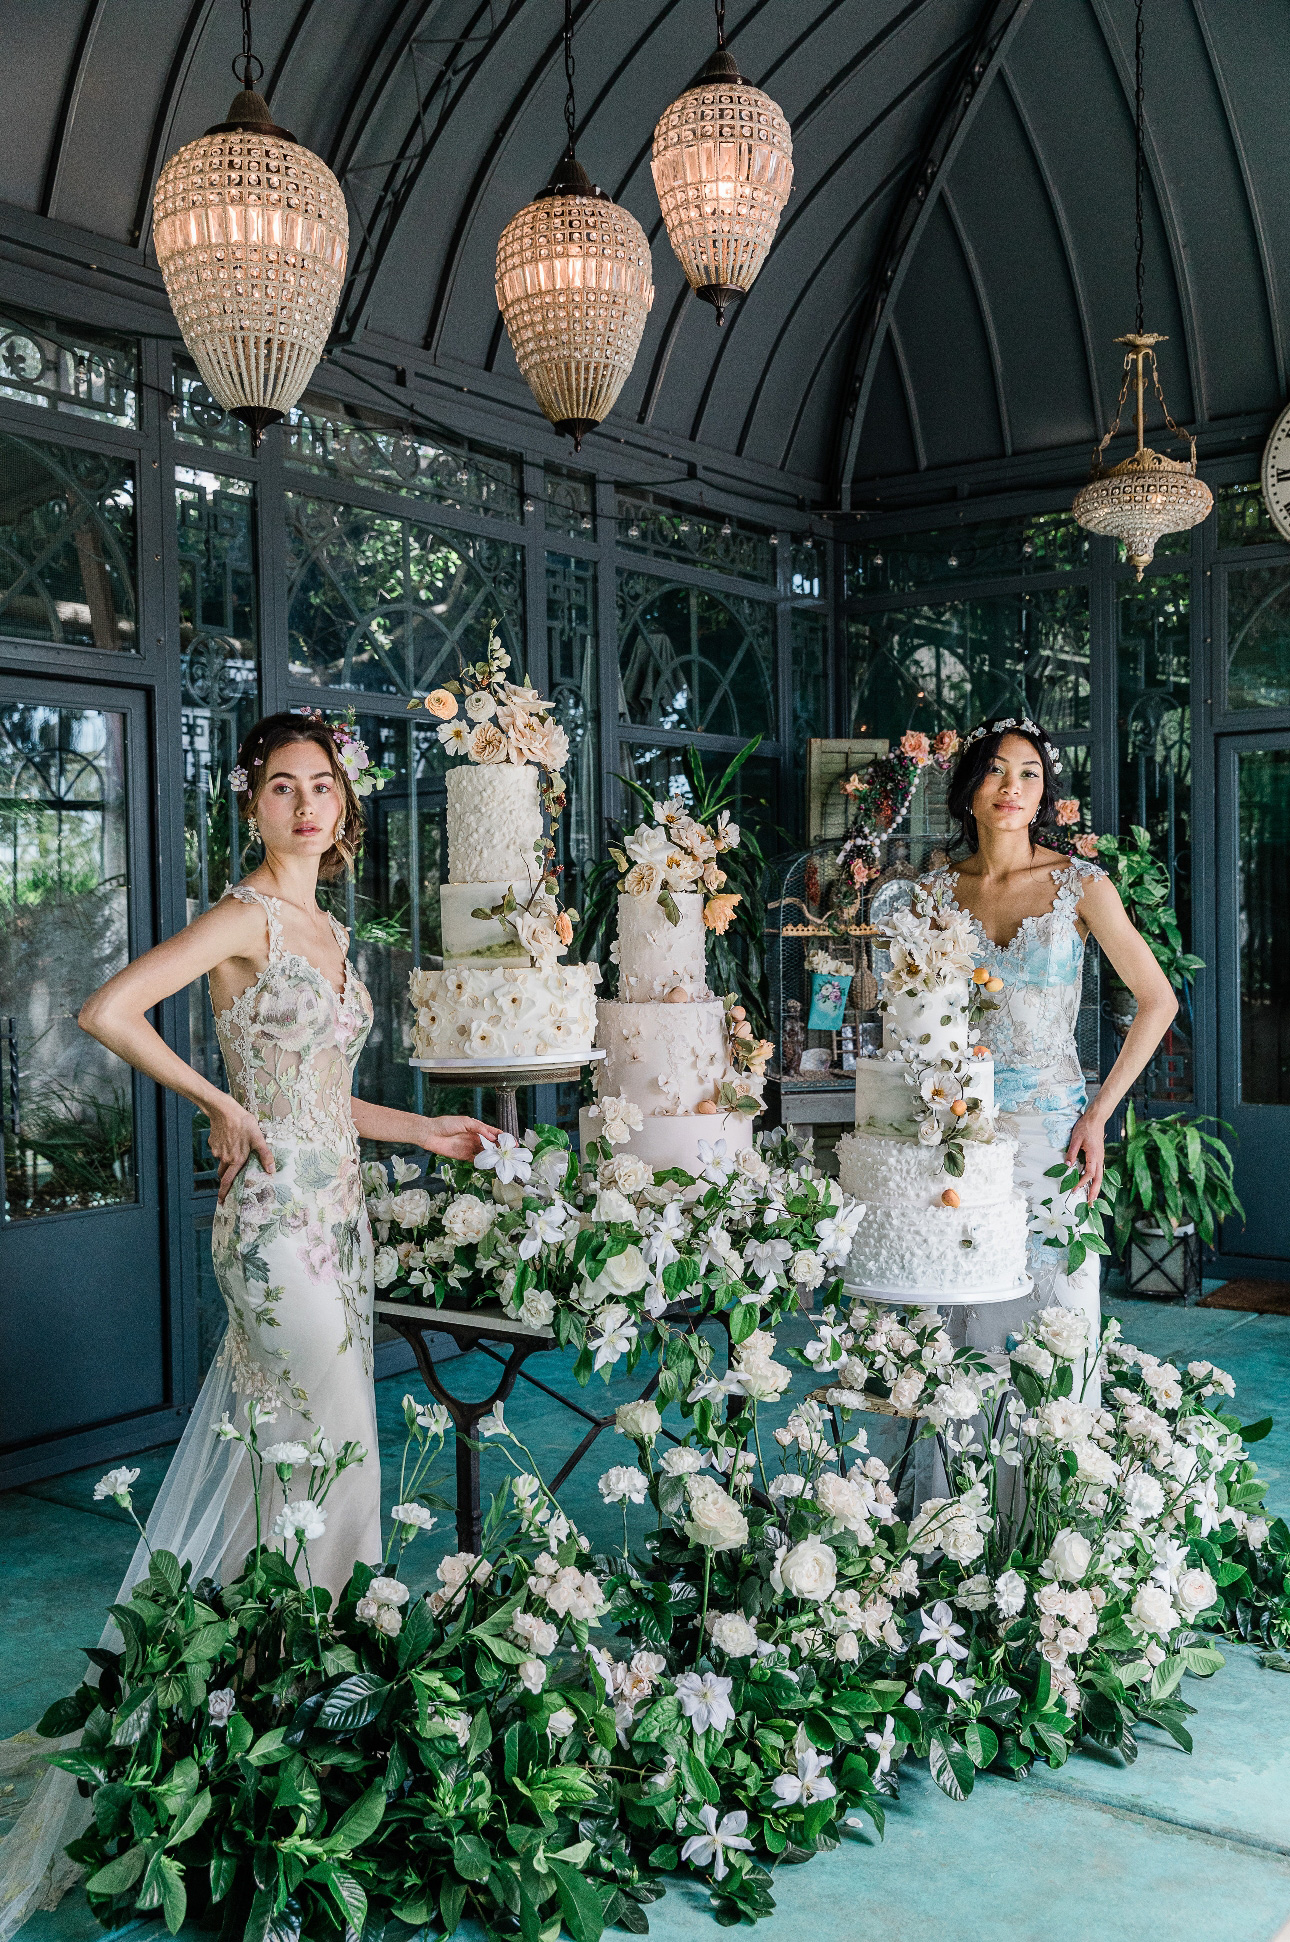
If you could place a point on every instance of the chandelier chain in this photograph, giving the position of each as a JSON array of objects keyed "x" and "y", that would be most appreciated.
[
  {"x": 570, "y": 117},
  {"x": 721, "y": 22},
  {"x": 1138, "y": 167},
  {"x": 248, "y": 67}
]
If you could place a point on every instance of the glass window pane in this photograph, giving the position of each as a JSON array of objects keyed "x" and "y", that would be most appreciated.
[
  {"x": 69, "y": 368},
  {"x": 570, "y": 501},
  {"x": 1154, "y": 714},
  {"x": 1264, "y": 933},
  {"x": 672, "y": 532},
  {"x": 1258, "y": 637},
  {"x": 327, "y": 436},
  {"x": 575, "y": 692},
  {"x": 810, "y": 635},
  {"x": 693, "y": 659},
  {"x": 1243, "y": 517},
  {"x": 201, "y": 419},
  {"x": 387, "y": 606},
  {"x": 952, "y": 666},
  {"x": 66, "y": 545},
  {"x": 808, "y": 569},
  {"x": 220, "y": 694},
  {"x": 1036, "y": 543},
  {"x": 64, "y": 930}
]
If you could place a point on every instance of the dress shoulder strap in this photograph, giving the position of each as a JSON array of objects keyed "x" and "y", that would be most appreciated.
[
  {"x": 246, "y": 895},
  {"x": 1072, "y": 880},
  {"x": 339, "y": 932}
]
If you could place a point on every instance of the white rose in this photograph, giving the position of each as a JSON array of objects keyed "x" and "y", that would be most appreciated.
[
  {"x": 1194, "y": 1593},
  {"x": 1153, "y": 1611},
  {"x": 1095, "y": 1465},
  {"x": 625, "y": 1274},
  {"x": 1064, "y": 1331},
  {"x": 732, "y": 1632},
  {"x": 629, "y": 1175},
  {"x": 385, "y": 1266},
  {"x": 411, "y": 1209},
  {"x": 810, "y": 1570},
  {"x": 806, "y": 1268},
  {"x": 929, "y": 1133},
  {"x": 536, "y": 1308},
  {"x": 844, "y": 1502},
  {"x": 532, "y": 1675},
  {"x": 538, "y": 1634},
  {"x": 639, "y": 1421},
  {"x": 715, "y": 1520},
  {"x": 846, "y": 1647},
  {"x": 787, "y": 1485},
  {"x": 613, "y": 1206},
  {"x": 1070, "y": 1556},
  {"x": 561, "y": 1724},
  {"x": 468, "y": 1218},
  {"x": 1032, "y": 1355},
  {"x": 907, "y": 1388},
  {"x": 1256, "y": 1532}
]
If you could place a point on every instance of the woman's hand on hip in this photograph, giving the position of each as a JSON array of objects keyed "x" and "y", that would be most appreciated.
[
  {"x": 1086, "y": 1149},
  {"x": 234, "y": 1136},
  {"x": 456, "y": 1136}
]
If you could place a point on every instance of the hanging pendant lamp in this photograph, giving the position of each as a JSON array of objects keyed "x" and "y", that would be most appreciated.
[
  {"x": 1147, "y": 495},
  {"x": 574, "y": 286},
  {"x": 252, "y": 235},
  {"x": 723, "y": 168}
]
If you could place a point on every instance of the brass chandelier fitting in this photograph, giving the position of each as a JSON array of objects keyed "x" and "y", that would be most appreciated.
[
  {"x": 574, "y": 285},
  {"x": 723, "y": 167},
  {"x": 1147, "y": 495},
  {"x": 252, "y": 236}
]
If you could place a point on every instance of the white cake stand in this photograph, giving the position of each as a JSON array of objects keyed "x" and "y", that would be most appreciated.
[
  {"x": 507, "y": 1075},
  {"x": 939, "y": 1297}
]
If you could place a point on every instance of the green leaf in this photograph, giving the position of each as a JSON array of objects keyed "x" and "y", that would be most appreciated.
[
  {"x": 1255, "y": 1432},
  {"x": 951, "y": 1767},
  {"x": 584, "y": 1915},
  {"x": 360, "y": 1822},
  {"x": 471, "y": 1857},
  {"x": 452, "y": 1900},
  {"x": 269, "y": 1747},
  {"x": 981, "y": 1743},
  {"x": 1000, "y": 1701},
  {"x": 1202, "y": 1661},
  {"x": 192, "y": 1820},
  {"x": 354, "y": 1703},
  {"x": 346, "y": 1891},
  {"x": 697, "y": 1777},
  {"x": 239, "y": 1734},
  {"x": 744, "y": 1318},
  {"x": 119, "y": 1874},
  {"x": 174, "y": 1895}
]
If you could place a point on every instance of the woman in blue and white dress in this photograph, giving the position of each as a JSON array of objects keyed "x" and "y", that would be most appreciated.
[{"x": 1031, "y": 909}]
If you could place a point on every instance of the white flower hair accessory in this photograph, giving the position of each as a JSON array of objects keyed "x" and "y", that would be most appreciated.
[
  {"x": 237, "y": 781},
  {"x": 1010, "y": 721},
  {"x": 363, "y": 773}
]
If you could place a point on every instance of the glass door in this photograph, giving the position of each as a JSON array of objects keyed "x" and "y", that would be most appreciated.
[
  {"x": 81, "y": 1298},
  {"x": 1254, "y": 983}
]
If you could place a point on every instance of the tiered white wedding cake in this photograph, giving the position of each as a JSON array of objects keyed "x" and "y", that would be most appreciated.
[
  {"x": 502, "y": 994},
  {"x": 681, "y": 1065},
  {"x": 926, "y": 1158}
]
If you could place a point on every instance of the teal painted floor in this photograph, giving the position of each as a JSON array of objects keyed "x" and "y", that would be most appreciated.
[{"x": 1175, "y": 1846}]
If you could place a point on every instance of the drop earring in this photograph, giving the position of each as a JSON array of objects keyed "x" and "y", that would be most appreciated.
[{"x": 252, "y": 829}]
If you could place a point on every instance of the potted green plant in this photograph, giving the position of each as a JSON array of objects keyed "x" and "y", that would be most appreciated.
[
  {"x": 1169, "y": 1184},
  {"x": 1143, "y": 883}
]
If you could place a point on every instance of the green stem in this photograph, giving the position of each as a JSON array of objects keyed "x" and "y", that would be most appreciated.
[
  {"x": 757, "y": 1440},
  {"x": 703, "y": 1616}
]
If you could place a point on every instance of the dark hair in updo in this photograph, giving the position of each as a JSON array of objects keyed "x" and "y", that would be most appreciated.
[
  {"x": 973, "y": 766},
  {"x": 273, "y": 732}
]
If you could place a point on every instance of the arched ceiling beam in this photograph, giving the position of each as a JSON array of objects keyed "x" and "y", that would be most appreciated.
[
  {"x": 1168, "y": 215},
  {"x": 1251, "y": 197},
  {"x": 366, "y": 96},
  {"x": 803, "y": 206},
  {"x": 163, "y": 128},
  {"x": 91, "y": 21},
  {"x": 911, "y": 398},
  {"x": 996, "y": 25},
  {"x": 969, "y": 255},
  {"x": 1062, "y": 222},
  {"x": 289, "y": 43}
]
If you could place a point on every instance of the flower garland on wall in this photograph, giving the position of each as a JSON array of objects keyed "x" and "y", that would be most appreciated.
[{"x": 880, "y": 798}]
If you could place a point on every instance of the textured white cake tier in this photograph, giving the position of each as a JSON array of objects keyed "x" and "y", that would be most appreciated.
[
  {"x": 504, "y": 1011},
  {"x": 494, "y": 819},
  {"x": 885, "y": 1100},
  {"x": 655, "y": 956},
  {"x": 908, "y": 1239},
  {"x": 665, "y": 1058},
  {"x": 881, "y": 1170},
  {"x": 675, "y": 1142},
  {"x": 468, "y": 939},
  {"x": 942, "y": 1014}
]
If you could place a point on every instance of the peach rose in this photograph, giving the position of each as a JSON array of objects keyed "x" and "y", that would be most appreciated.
[
  {"x": 1086, "y": 845},
  {"x": 487, "y": 743},
  {"x": 564, "y": 927},
  {"x": 916, "y": 745},
  {"x": 1068, "y": 810},
  {"x": 861, "y": 873},
  {"x": 441, "y": 704},
  {"x": 719, "y": 912},
  {"x": 946, "y": 744}
]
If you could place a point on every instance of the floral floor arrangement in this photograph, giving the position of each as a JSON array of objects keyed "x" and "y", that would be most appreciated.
[{"x": 550, "y": 1734}]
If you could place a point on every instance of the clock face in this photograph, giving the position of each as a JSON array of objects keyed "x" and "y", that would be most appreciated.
[{"x": 1276, "y": 474}]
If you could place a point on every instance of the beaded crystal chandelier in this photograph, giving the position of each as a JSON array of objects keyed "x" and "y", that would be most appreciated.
[
  {"x": 252, "y": 235},
  {"x": 723, "y": 168},
  {"x": 1147, "y": 495},
  {"x": 574, "y": 286}
]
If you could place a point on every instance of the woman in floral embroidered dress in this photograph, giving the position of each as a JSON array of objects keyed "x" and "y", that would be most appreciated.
[
  {"x": 291, "y": 1243},
  {"x": 1031, "y": 909}
]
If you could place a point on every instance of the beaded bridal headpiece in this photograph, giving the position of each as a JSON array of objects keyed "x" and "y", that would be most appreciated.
[{"x": 1011, "y": 721}]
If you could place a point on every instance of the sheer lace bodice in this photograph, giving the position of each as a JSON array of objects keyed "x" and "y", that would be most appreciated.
[
  {"x": 1032, "y": 1034},
  {"x": 290, "y": 1042}
]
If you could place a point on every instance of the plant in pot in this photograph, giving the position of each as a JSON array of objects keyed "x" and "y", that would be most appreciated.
[
  {"x": 1169, "y": 1182},
  {"x": 1143, "y": 883}
]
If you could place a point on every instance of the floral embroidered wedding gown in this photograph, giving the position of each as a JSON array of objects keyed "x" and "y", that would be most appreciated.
[
  {"x": 1038, "y": 1086},
  {"x": 293, "y": 1256}
]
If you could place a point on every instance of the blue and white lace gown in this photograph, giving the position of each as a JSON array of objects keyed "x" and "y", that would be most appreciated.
[{"x": 1038, "y": 1082}]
